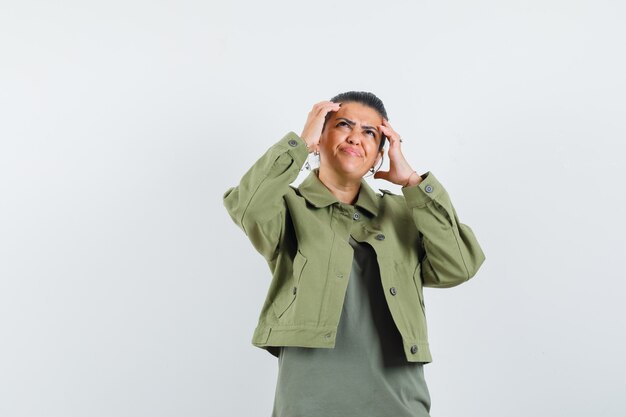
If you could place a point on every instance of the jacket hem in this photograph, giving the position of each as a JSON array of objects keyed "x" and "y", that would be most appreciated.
[{"x": 271, "y": 337}]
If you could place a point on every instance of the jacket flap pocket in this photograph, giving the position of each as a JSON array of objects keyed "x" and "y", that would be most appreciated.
[{"x": 289, "y": 293}]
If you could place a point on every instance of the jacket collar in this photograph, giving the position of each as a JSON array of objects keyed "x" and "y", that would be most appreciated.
[{"x": 316, "y": 193}]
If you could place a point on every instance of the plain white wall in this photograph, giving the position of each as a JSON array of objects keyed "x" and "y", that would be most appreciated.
[{"x": 125, "y": 288}]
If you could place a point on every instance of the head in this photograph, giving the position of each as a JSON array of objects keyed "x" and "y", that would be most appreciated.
[
  {"x": 351, "y": 142},
  {"x": 365, "y": 98}
]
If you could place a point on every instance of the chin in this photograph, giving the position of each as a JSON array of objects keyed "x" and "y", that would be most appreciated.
[
  {"x": 354, "y": 172},
  {"x": 348, "y": 170}
]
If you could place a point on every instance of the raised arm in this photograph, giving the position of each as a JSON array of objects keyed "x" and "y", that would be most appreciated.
[
  {"x": 451, "y": 253},
  {"x": 256, "y": 205}
]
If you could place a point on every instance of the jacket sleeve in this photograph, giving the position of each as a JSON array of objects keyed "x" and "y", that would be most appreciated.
[
  {"x": 257, "y": 205},
  {"x": 452, "y": 253}
]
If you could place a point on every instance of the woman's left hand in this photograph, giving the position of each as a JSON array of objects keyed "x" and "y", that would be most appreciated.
[{"x": 400, "y": 172}]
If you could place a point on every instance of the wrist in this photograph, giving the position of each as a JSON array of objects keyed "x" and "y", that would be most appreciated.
[
  {"x": 309, "y": 146},
  {"x": 413, "y": 179}
]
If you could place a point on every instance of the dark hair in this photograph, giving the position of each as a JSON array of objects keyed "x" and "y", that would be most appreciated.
[{"x": 365, "y": 98}]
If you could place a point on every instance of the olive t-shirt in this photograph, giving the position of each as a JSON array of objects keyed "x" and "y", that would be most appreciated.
[{"x": 366, "y": 374}]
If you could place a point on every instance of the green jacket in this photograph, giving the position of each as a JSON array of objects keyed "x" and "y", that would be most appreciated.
[{"x": 303, "y": 235}]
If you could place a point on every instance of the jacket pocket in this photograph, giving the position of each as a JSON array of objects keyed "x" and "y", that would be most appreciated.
[
  {"x": 288, "y": 294},
  {"x": 417, "y": 280}
]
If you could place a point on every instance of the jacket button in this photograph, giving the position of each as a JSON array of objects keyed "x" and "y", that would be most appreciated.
[
  {"x": 393, "y": 290},
  {"x": 295, "y": 289},
  {"x": 293, "y": 142},
  {"x": 428, "y": 188},
  {"x": 339, "y": 275},
  {"x": 356, "y": 216},
  {"x": 380, "y": 236},
  {"x": 414, "y": 349}
]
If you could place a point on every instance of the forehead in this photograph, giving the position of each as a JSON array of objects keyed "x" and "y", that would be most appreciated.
[{"x": 359, "y": 113}]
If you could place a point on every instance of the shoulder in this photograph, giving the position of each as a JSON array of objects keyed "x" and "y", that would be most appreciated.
[
  {"x": 390, "y": 196},
  {"x": 294, "y": 191},
  {"x": 294, "y": 194}
]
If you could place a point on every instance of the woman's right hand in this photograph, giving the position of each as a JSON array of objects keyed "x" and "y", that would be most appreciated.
[{"x": 315, "y": 122}]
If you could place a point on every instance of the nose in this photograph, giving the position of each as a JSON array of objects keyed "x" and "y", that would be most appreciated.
[{"x": 354, "y": 139}]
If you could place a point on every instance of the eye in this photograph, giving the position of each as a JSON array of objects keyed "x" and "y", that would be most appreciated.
[
  {"x": 372, "y": 133},
  {"x": 342, "y": 123}
]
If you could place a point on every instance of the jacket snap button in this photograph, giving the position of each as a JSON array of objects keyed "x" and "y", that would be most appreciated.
[
  {"x": 428, "y": 188},
  {"x": 295, "y": 289},
  {"x": 356, "y": 216},
  {"x": 393, "y": 290},
  {"x": 380, "y": 236},
  {"x": 414, "y": 349},
  {"x": 293, "y": 142},
  {"x": 339, "y": 275}
]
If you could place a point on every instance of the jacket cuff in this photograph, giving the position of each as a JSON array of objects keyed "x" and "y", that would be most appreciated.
[
  {"x": 295, "y": 146},
  {"x": 421, "y": 194}
]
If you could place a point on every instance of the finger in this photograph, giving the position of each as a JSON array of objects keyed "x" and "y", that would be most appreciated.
[
  {"x": 324, "y": 104},
  {"x": 387, "y": 126},
  {"x": 323, "y": 111},
  {"x": 391, "y": 135},
  {"x": 318, "y": 107}
]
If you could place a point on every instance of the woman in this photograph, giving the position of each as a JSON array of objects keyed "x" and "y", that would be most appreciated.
[{"x": 344, "y": 312}]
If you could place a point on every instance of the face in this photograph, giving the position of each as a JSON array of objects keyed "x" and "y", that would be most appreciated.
[{"x": 350, "y": 140}]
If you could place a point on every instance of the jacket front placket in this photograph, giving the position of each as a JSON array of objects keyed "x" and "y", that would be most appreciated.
[
  {"x": 340, "y": 263},
  {"x": 371, "y": 233}
]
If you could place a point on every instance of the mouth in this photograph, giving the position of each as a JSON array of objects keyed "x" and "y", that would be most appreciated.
[{"x": 351, "y": 152}]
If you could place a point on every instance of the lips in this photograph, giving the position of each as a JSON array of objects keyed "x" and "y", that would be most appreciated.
[{"x": 351, "y": 151}]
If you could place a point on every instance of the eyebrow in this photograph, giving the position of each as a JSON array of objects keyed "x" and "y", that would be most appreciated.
[{"x": 351, "y": 123}]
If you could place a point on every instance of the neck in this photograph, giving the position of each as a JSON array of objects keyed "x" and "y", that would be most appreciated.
[{"x": 345, "y": 189}]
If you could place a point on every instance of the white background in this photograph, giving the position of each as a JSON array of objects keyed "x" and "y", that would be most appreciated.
[{"x": 125, "y": 288}]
